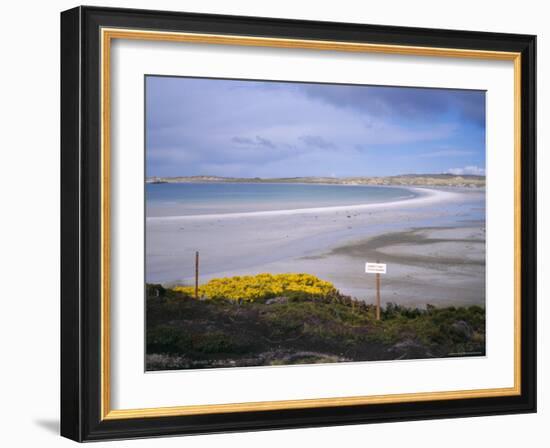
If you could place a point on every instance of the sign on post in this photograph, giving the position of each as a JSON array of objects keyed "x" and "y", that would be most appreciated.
[{"x": 376, "y": 268}]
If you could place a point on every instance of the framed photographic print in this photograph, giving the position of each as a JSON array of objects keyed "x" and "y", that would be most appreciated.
[{"x": 273, "y": 223}]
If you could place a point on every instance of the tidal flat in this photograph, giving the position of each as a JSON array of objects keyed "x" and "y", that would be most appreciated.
[{"x": 433, "y": 245}]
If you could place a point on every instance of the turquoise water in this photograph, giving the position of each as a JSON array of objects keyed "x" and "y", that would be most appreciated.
[{"x": 213, "y": 198}]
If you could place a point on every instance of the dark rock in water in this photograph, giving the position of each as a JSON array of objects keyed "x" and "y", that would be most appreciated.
[
  {"x": 281, "y": 299},
  {"x": 410, "y": 349},
  {"x": 462, "y": 329}
]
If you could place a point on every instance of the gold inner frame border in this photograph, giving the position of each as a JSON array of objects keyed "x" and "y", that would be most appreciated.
[{"x": 107, "y": 35}]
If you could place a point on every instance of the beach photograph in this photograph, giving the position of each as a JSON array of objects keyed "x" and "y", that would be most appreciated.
[{"x": 303, "y": 223}]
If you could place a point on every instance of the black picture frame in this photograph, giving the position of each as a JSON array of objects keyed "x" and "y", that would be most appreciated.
[{"x": 81, "y": 224}]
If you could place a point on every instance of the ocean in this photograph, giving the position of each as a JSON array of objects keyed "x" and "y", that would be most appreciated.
[
  {"x": 432, "y": 240},
  {"x": 185, "y": 199}
]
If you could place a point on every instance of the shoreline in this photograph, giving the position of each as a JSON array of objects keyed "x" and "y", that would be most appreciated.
[
  {"x": 311, "y": 242},
  {"x": 423, "y": 196}
]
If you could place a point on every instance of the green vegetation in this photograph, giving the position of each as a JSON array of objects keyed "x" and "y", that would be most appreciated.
[
  {"x": 250, "y": 288},
  {"x": 296, "y": 318}
]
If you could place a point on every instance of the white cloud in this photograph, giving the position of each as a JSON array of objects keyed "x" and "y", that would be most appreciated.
[{"x": 471, "y": 169}]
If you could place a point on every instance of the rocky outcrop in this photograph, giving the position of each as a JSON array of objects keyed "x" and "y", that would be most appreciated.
[{"x": 410, "y": 349}]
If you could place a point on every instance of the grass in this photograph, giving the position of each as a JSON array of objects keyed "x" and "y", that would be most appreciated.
[{"x": 297, "y": 325}]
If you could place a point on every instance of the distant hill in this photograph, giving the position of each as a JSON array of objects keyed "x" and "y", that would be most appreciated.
[{"x": 442, "y": 180}]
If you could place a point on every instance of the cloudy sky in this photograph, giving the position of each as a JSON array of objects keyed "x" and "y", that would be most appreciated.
[{"x": 276, "y": 129}]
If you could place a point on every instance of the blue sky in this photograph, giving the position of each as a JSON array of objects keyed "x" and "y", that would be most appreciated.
[{"x": 276, "y": 129}]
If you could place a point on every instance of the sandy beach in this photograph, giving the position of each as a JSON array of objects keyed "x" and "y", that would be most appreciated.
[{"x": 433, "y": 244}]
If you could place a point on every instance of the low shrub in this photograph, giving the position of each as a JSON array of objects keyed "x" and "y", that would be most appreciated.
[{"x": 250, "y": 288}]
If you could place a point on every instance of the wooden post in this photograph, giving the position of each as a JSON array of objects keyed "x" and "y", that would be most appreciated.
[
  {"x": 196, "y": 274},
  {"x": 377, "y": 296},
  {"x": 376, "y": 268}
]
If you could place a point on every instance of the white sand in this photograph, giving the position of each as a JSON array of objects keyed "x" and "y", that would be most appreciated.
[
  {"x": 303, "y": 241},
  {"x": 425, "y": 197}
]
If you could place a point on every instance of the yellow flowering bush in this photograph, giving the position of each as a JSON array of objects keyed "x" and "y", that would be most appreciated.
[{"x": 262, "y": 286}]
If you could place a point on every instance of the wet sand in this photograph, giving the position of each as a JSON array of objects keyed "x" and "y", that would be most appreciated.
[
  {"x": 438, "y": 266},
  {"x": 434, "y": 248}
]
